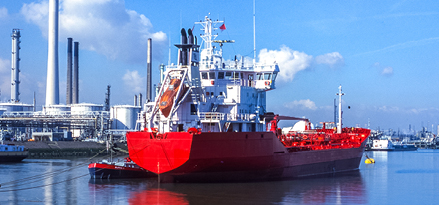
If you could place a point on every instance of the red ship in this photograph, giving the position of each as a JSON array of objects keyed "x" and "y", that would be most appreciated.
[{"x": 215, "y": 127}]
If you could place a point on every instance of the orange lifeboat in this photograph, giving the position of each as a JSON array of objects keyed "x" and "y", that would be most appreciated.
[{"x": 167, "y": 99}]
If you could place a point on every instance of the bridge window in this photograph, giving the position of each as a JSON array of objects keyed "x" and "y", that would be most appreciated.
[
  {"x": 220, "y": 75},
  {"x": 259, "y": 76},
  {"x": 203, "y": 75},
  {"x": 267, "y": 76},
  {"x": 228, "y": 75},
  {"x": 211, "y": 75},
  {"x": 236, "y": 76}
]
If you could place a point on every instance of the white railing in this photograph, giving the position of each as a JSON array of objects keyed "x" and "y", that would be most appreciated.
[
  {"x": 56, "y": 114},
  {"x": 211, "y": 116},
  {"x": 238, "y": 117},
  {"x": 223, "y": 116}
]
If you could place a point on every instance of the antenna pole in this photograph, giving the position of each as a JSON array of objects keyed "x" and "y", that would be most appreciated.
[
  {"x": 339, "y": 110},
  {"x": 254, "y": 32}
]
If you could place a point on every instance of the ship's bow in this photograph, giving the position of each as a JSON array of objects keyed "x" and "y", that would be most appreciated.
[{"x": 159, "y": 153}]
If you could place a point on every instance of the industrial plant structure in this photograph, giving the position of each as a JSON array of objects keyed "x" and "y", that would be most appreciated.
[{"x": 55, "y": 121}]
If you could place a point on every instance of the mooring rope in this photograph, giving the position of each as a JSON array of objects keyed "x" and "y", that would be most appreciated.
[{"x": 40, "y": 177}]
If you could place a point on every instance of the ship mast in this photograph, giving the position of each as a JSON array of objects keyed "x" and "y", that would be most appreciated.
[
  {"x": 208, "y": 37},
  {"x": 339, "y": 110},
  {"x": 254, "y": 32}
]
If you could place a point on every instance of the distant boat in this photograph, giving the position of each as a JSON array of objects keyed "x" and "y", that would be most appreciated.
[
  {"x": 12, "y": 153},
  {"x": 387, "y": 145}
]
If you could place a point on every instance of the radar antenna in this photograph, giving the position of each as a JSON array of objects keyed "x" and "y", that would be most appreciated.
[{"x": 221, "y": 43}]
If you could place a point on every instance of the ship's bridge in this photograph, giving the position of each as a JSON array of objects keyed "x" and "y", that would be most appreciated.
[{"x": 261, "y": 76}]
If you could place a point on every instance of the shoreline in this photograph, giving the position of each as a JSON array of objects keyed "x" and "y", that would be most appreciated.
[{"x": 62, "y": 149}]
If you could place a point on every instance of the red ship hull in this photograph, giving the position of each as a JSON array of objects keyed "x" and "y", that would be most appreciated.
[{"x": 235, "y": 156}]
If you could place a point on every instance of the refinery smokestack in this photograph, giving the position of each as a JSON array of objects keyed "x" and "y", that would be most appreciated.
[
  {"x": 52, "y": 85},
  {"x": 75, "y": 74},
  {"x": 140, "y": 99},
  {"x": 69, "y": 72},
  {"x": 15, "y": 80},
  {"x": 148, "y": 73}
]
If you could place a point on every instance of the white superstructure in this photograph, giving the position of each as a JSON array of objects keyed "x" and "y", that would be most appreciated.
[{"x": 205, "y": 91}]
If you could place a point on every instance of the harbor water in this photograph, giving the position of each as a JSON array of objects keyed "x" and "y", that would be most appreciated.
[{"x": 396, "y": 178}]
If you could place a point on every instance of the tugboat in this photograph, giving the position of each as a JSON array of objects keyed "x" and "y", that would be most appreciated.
[
  {"x": 12, "y": 153},
  {"x": 388, "y": 145},
  {"x": 209, "y": 123},
  {"x": 117, "y": 170}
]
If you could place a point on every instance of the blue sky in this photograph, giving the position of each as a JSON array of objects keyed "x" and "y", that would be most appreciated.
[{"x": 383, "y": 53}]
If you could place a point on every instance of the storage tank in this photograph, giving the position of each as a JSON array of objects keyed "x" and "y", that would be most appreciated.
[
  {"x": 55, "y": 109},
  {"x": 84, "y": 108},
  {"x": 124, "y": 117},
  {"x": 16, "y": 107},
  {"x": 2, "y": 110}
]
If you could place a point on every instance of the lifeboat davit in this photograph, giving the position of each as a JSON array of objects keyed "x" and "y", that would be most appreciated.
[{"x": 167, "y": 99}]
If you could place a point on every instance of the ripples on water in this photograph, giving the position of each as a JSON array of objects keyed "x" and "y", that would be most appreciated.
[{"x": 396, "y": 178}]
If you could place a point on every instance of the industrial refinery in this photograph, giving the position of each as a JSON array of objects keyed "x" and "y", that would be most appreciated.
[{"x": 74, "y": 120}]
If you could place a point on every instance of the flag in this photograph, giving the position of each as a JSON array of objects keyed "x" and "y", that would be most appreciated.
[{"x": 223, "y": 27}]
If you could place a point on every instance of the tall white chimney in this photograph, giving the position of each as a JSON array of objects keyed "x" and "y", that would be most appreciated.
[
  {"x": 15, "y": 65},
  {"x": 52, "y": 85},
  {"x": 149, "y": 73}
]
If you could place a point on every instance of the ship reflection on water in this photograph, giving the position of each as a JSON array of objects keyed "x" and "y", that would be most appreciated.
[
  {"x": 344, "y": 188},
  {"x": 157, "y": 196}
]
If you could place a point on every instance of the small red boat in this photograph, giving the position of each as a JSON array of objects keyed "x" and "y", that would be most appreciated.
[{"x": 118, "y": 170}]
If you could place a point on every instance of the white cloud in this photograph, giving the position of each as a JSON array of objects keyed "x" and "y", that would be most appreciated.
[
  {"x": 104, "y": 26},
  {"x": 5, "y": 79},
  {"x": 3, "y": 13},
  {"x": 387, "y": 71},
  {"x": 333, "y": 59},
  {"x": 389, "y": 108},
  {"x": 133, "y": 81},
  {"x": 302, "y": 104},
  {"x": 37, "y": 13},
  {"x": 290, "y": 62}
]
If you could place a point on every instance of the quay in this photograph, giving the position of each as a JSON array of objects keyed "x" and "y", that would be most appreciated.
[{"x": 61, "y": 149}]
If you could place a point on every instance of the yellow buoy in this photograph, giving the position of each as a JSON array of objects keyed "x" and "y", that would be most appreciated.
[{"x": 369, "y": 161}]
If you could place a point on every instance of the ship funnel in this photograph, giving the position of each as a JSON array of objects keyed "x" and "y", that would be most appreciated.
[
  {"x": 183, "y": 36},
  {"x": 190, "y": 37},
  {"x": 183, "y": 56}
]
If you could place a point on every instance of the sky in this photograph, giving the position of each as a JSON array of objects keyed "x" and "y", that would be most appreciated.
[{"x": 383, "y": 53}]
